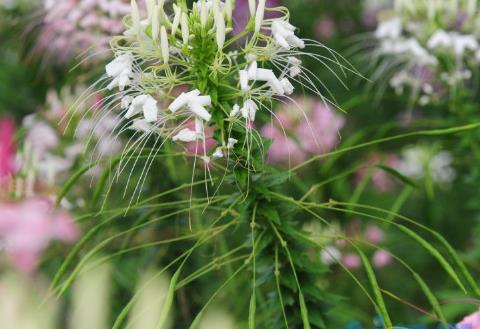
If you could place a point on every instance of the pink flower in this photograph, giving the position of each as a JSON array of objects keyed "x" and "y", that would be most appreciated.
[
  {"x": 470, "y": 322},
  {"x": 311, "y": 128},
  {"x": 26, "y": 229},
  {"x": 382, "y": 258},
  {"x": 7, "y": 148},
  {"x": 283, "y": 149},
  {"x": 351, "y": 261},
  {"x": 200, "y": 148},
  {"x": 374, "y": 234},
  {"x": 381, "y": 181},
  {"x": 321, "y": 133},
  {"x": 71, "y": 27},
  {"x": 325, "y": 28}
]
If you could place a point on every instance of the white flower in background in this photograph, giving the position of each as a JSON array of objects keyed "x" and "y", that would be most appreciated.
[
  {"x": 330, "y": 255},
  {"x": 419, "y": 161},
  {"x": 53, "y": 145},
  {"x": 441, "y": 168},
  {"x": 390, "y": 29},
  {"x": 422, "y": 39}
]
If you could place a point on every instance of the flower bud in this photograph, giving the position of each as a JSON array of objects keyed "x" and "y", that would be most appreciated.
[
  {"x": 220, "y": 23},
  {"x": 252, "y": 7},
  {"x": 135, "y": 15},
  {"x": 176, "y": 18},
  {"x": 259, "y": 15},
  {"x": 228, "y": 10},
  {"x": 164, "y": 45},
  {"x": 150, "y": 9},
  {"x": 203, "y": 13},
  {"x": 185, "y": 28},
  {"x": 155, "y": 23}
]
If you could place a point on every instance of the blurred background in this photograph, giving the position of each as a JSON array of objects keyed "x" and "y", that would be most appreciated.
[{"x": 52, "y": 51}]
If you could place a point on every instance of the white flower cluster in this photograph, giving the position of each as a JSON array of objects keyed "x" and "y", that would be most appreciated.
[
  {"x": 419, "y": 37},
  {"x": 51, "y": 151},
  {"x": 195, "y": 50},
  {"x": 419, "y": 162}
]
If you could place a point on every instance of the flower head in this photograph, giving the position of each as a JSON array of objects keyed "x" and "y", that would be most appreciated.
[{"x": 227, "y": 87}]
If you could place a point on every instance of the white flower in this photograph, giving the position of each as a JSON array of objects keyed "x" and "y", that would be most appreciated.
[
  {"x": 391, "y": 29},
  {"x": 287, "y": 86},
  {"x": 295, "y": 66},
  {"x": 244, "y": 80},
  {"x": 330, "y": 255},
  {"x": 121, "y": 70},
  {"x": 218, "y": 154},
  {"x": 264, "y": 75},
  {"x": 249, "y": 110},
  {"x": 284, "y": 34},
  {"x": 459, "y": 42},
  {"x": 142, "y": 125},
  {"x": 412, "y": 162},
  {"x": 441, "y": 168},
  {"x": 146, "y": 104},
  {"x": 126, "y": 101},
  {"x": 235, "y": 111},
  {"x": 440, "y": 39},
  {"x": 194, "y": 102},
  {"x": 463, "y": 43},
  {"x": 186, "y": 135},
  {"x": 231, "y": 143}
]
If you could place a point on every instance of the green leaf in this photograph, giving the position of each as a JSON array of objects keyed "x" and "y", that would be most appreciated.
[
  {"x": 397, "y": 174},
  {"x": 434, "y": 252},
  {"x": 72, "y": 181},
  {"x": 167, "y": 306},
  {"x": 382, "y": 308},
  {"x": 304, "y": 311},
  {"x": 252, "y": 310}
]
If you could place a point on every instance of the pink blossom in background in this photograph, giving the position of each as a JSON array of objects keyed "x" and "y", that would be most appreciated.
[
  {"x": 283, "y": 149},
  {"x": 374, "y": 234},
  {"x": 470, "y": 322},
  {"x": 72, "y": 27},
  {"x": 325, "y": 28},
  {"x": 382, "y": 258},
  {"x": 27, "y": 228},
  {"x": 320, "y": 134},
  {"x": 311, "y": 128},
  {"x": 7, "y": 148},
  {"x": 351, "y": 261},
  {"x": 381, "y": 181},
  {"x": 201, "y": 148}
]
